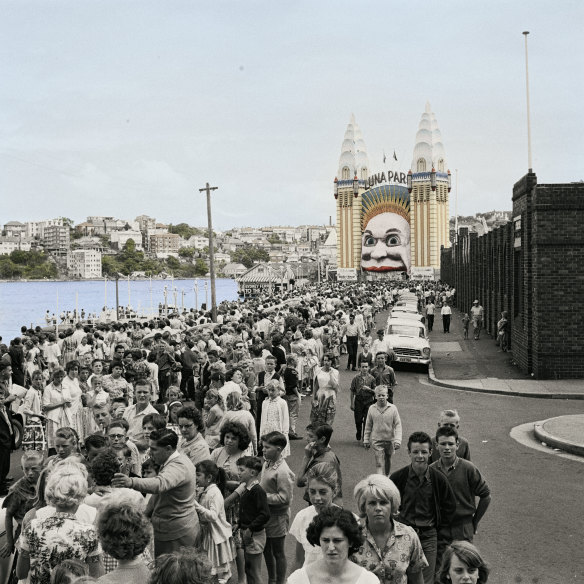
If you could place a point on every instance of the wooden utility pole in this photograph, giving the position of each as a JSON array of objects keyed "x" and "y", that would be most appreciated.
[{"x": 208, "y": 190}]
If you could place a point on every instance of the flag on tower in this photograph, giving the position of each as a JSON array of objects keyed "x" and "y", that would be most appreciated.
[{"x": 394, "y": 156}]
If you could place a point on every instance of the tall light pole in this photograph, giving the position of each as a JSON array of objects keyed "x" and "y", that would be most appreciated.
[
  {"x": 456, "y": 209},
  {"x": 208, "y": 190},
  {"x": 530, "y": 165}
]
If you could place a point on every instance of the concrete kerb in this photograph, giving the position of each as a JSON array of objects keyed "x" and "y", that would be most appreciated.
[
  {"x": 435, "y": 381},
  {"x": 543, "y": 436}
]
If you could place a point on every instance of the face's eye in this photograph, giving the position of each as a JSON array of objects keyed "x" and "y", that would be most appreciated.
[
  {"x": 369, "y": 241},
  {"x": 392, "y": 240}
]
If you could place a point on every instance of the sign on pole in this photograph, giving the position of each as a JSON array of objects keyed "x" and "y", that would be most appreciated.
[{"x": 346, "y": 274}]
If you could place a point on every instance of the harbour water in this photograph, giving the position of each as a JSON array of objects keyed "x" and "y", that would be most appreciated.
[{"x": 25, "y": 303}]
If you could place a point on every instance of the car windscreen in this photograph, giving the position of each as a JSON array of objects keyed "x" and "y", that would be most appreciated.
[{"x": 408, "y": 331}]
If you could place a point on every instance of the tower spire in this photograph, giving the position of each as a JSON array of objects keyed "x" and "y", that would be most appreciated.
[{"x": 353, "y": 160}]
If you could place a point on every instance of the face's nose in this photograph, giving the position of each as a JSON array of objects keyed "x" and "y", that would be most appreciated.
[{"x": 379, "y": 251}]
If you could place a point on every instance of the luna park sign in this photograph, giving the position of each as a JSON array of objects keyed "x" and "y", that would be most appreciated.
[{"x": 390, "y": 177}]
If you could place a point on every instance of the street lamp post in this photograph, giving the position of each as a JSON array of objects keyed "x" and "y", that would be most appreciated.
[
  {"x": 196, "y": 295},
  {"x": 208, "y": 190},
  {"x": 525, "y": 33}
]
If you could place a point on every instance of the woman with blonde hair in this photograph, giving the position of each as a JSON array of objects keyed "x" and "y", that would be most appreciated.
[
  {"x": 47, "y": 542},
  {"x": 378, "y": 502}
]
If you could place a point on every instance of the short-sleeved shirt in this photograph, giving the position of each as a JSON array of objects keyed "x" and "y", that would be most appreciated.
[
  {"x": 402, "y": 551},
  {"x": 50, "y": 541}
]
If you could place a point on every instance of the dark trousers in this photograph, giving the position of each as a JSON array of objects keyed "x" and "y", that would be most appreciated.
[
  {"x": 260, "y": 398},
  {"x": 352, "y": 347},
  {"x": 430, "y": 321},
  {"x": 463, "y": 530},
  {"x": 187, "y": 374},
  {"x": 429, "y": 541},
  {"x": 4, "y": 467},
  {"x": 361, "y": 409},
  {"x": 163, "y": 384},
  {"x": 446, "y": 322}
]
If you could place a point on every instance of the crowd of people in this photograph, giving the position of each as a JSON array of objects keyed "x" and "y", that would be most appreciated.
[{"x": 157, "y": 451}]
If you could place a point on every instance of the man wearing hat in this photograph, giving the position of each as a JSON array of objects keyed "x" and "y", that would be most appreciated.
[
  {"x": 381, "y": 345},
  {"x": 476, "y": 314}
]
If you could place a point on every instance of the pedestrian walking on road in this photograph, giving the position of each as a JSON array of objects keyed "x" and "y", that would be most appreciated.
[
  {"x": 467, "y": 483},
  {"x": 362, "y": 396},
  {"x": 503, "y": 332},
  {"x": 446, "y": 313},
  {"x": 465, "y": 324},
  {"x": 383, "y": 430},
  {"x": 477, "y": 313},
  {"x": 351, "y": 332},
  {"x": 427, "y": 499},
  {"x": 430, "y": 308}
]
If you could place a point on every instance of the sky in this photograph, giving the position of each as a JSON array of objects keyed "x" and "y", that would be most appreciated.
[{"x": 128, "y": 107}]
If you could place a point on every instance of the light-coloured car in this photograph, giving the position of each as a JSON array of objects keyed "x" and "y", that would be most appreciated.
[
  {"x": 409, "y": 340},
  {"x": 406, "y": 312}
]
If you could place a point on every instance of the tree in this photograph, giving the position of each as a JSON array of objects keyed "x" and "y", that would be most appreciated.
[
  {"x": 130, "y": 246},
  {"x": 173, "y": 263},
  {"x": 250, "y": 254},
  {"x": 274, "y": 238},
  {"x": 109, "y": 265},
  {"x": 184, "y": 230},
  {"x": 201, "y": 267},
  {"x": 186, "y": 252}
]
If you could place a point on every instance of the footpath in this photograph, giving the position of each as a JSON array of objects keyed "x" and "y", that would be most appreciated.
[{"x": 480, "y": 366}]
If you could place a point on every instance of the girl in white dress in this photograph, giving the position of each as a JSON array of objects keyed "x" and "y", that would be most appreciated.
[{"x": 217, "y": 536}]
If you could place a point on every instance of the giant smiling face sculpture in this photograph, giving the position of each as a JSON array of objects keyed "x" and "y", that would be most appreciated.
[{"x": 385, "y": 244}]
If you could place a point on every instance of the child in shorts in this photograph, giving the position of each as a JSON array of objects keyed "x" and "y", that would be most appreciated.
[
  {"x": 383, "y": 430},
  {"x": 254, "y": 513}
]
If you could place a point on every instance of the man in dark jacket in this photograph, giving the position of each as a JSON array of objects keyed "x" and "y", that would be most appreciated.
[
  {"x": 6, "y": 427},
  {"x": 427, "y": 499}
]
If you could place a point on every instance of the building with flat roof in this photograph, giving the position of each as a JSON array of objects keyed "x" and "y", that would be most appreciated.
[
  {"x": 56, "y": 237},
  {"x": 84, "y": 263},
  {"x": 164, "y": 243}
]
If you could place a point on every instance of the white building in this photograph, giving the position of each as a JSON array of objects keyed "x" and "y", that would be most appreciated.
[
  {"x": 37, "y": 228},
  {"x": 8, "y": 244},
  {"x": 84, "y": 263},
  {"x": 198, "y": 241},
  {"x": 120, "y": 238}
]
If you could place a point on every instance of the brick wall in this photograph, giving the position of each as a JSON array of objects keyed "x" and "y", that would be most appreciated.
[{"x": 532, "y": 267}]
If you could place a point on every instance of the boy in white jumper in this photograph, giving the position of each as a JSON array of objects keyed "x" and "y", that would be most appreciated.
[{"x": 383, "y": 430}]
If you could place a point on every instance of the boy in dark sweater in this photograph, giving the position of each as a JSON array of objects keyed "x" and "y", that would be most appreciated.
[{"x": 254, "y": 513}]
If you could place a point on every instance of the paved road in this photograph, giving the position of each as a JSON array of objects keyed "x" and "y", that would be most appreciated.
[{"x": 533, "y": 530}]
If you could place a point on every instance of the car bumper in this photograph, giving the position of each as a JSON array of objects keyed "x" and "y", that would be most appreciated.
[{"x": 420, "y": 359}]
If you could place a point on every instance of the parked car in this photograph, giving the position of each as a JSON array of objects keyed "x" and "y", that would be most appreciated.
[
  {"x": 409, "y": 341},
  {"x": 406, "y": 312}
]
